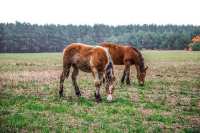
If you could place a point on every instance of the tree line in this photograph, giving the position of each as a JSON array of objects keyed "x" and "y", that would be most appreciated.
[{"x": 26, "y": 37}]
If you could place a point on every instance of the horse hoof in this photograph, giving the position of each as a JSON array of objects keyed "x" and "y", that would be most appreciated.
[
  {"x": 61, "y": 94},
  {"x": 98, "y": 98},
  {"x": 78, "y": 94},
  {"x": 141, "y": 84}
]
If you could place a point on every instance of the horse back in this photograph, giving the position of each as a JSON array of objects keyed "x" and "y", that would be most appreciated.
[
  {"x": 121, "y": 54},
  {"x": 117, "y": 53},
  {"x": 85, "y": 56},
  {"x": 99, "y": 58},
  {"x": 78, "y": 55}
]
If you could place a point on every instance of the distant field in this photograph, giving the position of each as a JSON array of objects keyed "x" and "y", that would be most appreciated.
[{"x": 169, "y": 101}]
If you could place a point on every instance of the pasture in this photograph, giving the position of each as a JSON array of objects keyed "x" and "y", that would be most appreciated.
[{"x": 169, "y": 101}]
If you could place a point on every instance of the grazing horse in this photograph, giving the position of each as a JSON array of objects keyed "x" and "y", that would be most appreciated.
[
  {"x": 127, "y": 55},
  {"x": 96, "y": 60}
]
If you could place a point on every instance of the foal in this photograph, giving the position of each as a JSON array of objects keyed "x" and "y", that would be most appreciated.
[
  {"x": 127, "y": 55},
  {"x": 96, "y": 60}
]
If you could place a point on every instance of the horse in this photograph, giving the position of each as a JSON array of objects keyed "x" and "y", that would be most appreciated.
[
  {"x": 127, "y": 55},
  {"x": 91, "y": 59}
]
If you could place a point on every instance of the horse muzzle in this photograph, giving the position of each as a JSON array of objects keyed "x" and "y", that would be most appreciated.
[
  {"x": 141, "y": 83},
  {"x": 109, "y": 97}
]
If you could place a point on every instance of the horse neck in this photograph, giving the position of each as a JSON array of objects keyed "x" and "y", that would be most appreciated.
[
  {"x": 140, "y": 59},
  {"x": 109, "y": 70},
  {"x": 110, "y": 62},
  {"x": 141, "y": 65}
]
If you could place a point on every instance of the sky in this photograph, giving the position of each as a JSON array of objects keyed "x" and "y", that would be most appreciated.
[{"x": 110, "y": 12}]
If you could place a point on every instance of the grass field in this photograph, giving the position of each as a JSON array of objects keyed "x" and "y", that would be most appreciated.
[{"x": 169, "y": 101}]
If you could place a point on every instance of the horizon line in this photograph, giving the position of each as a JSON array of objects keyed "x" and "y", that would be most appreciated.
[{"x": 140, "y": 24}]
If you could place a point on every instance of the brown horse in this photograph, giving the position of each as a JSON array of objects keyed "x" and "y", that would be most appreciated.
[
  {"x": 127, "y": 55},
  {"x": 96, "y": 60}
]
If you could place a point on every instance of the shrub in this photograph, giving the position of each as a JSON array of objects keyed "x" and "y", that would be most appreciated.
[{"x": 196, "y": 46}]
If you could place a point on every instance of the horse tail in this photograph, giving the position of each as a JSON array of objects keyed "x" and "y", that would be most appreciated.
[{"x": 66, "y": 62}]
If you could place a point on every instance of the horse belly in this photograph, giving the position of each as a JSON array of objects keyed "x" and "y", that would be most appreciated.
[
  {"x": 81, "y": 63},
  {"x": 84, "y": 67},
  {"x": 117, "y": 58},
  {"x": 118, "y": 61}
]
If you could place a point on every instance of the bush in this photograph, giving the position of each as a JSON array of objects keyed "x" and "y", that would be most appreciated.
[{"x": 196, "y": 46}]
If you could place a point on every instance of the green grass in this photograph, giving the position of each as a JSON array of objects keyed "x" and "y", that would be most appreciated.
[
  {"x": 161, "y": 118},
  {"x": 173, "y": 56},
  {"x": 169, "y": 101}
]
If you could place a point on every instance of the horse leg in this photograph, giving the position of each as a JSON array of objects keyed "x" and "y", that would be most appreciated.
[
  {"x": 103, "y": 79},
  {"x": 64, "y": 74},
  {"x": 123, "y": 76},
  {"x": 98, "y": 79},
  {"x": 138, "y": 72},
  {"x": 74, "y": 75},
  {"x": 128, "y": 75}
]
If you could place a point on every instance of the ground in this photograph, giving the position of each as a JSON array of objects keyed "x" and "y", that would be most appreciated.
[{"x": 169, "y": 101}]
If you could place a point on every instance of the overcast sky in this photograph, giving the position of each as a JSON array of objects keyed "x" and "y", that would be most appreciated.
[{"x": 112, "y": 12}]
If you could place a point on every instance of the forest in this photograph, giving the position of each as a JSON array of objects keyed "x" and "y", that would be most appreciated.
[{"x": 26, "y": 37}]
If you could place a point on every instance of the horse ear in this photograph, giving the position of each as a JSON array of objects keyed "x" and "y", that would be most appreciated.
[{"x": 146, "y": 68}]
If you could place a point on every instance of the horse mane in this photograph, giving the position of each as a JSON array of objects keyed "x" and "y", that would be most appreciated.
[
  {"x": 109, "y": 66},
  {"x": 141, "y": 59}
]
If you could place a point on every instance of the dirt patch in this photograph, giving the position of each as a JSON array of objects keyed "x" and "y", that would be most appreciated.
[
  {"x": 40, "y": 76},
  {"x": 32, "y": 92},
  {"x": 146, "y": 112},
  {"x": 195, "y": 121},
  {"x": 135, "y": 97},
  {"x": 185, "y": 101},
  {"x": 172, "y": 100},
  {"x": 87, "y": 93},
  {"x": 198, "y": 104},
  {"x": 166, "y": 113}
]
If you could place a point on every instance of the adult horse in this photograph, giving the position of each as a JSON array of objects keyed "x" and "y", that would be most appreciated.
[
  {"x": 96, "y": 60},
  {"x": 127, "y": 55}
]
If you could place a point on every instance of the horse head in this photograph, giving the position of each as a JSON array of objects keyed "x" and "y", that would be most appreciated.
[
  {"x": 141, "y": 76},
  {"x": 109, "y": 79}
]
